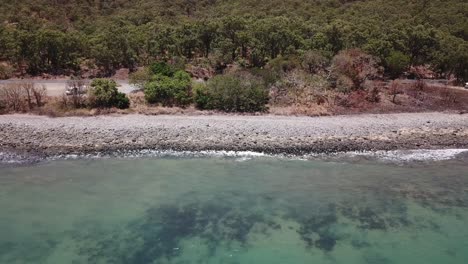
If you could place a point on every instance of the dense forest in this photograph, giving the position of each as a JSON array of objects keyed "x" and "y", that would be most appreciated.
[{"x": 72, "y": 36}]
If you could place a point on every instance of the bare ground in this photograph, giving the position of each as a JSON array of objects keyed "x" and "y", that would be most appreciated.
[{"x": 45, "y": 136}]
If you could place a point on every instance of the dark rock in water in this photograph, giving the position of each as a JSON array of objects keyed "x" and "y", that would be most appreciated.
[
  {"x": 326, "y": 243},
  {"x": 319, "y": 226}
]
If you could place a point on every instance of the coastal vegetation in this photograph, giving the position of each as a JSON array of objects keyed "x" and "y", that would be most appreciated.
[
  {"x": 314, "y": 57},
  {"x": 104, "y": 93},
  {"x": 232, "y": 93}
]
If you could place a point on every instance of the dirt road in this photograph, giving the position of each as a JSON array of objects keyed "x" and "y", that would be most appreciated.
[{"x": 57, "y": 87}]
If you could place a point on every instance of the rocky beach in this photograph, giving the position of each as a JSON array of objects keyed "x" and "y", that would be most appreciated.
[{"x": 41, "y": 136}]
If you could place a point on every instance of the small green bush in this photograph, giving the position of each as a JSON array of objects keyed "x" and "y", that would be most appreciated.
[
  {"x": 397, "y": 63},
  {"x": 161, "y": 68},
  {"x": 231, "y": 93},
  {"x": 284, "y": 64},
  {"x": 169, "y": 91},
  {"x": 104, "y": 93}
]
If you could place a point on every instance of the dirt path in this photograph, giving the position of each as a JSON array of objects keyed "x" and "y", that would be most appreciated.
[{"x": 57, "y": 87}]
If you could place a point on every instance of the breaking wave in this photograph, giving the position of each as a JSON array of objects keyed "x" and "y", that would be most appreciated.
[
  {"x": 396, "y": 156},
  {"x": 419, "y": 155}
]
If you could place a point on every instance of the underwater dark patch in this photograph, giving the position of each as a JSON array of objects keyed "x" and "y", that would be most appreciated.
[
  {"x": 158, "y": 234},
  {"x": 382, "y": 215},
  {"x": 359, "y": 244},
  {"x": 6, "y": 247},
  {"x": 369, "y": 219},
  {"x": 315, "y": 231}
]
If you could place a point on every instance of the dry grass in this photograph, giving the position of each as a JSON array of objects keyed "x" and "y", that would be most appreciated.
[{"x": 317, "y": 110}]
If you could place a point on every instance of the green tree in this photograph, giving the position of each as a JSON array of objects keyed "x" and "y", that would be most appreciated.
[
  {"x": 187, "y": 40},
  {"x": 208, "y": 35},
  {"x": 233, "y": 35},
  {"x": 421, "y": 40}
]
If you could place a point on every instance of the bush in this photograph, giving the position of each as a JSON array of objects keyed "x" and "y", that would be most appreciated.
[
  {"x": 396, "y": 64},
  {"x": 104, "y": 93},
  {"x": 140, "y": 77},
  {"x": 298, "y": 88},
  {"x": 284, "y": 64},
  {"x": 395, "y": 89},
  {"x": 169, "y": 91},
  {"x": 313, "y": 61},
  {"x": 355, "y": 65},
  {"x": 20, "y": 97},
  {"x": 161, "y": 68},
  {"x": 232, "y": 93},
  {"x": 342, "y": 83},
  {"x": 6, "y": 71}
]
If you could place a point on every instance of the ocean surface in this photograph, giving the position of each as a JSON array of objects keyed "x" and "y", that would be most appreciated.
[{"x": 390, "y": 207}]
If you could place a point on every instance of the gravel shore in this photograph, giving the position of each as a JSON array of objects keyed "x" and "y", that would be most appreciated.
[{"x": 44, "y": 136}]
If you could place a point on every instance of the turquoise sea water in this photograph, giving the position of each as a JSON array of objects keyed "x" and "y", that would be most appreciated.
[{"x": 263, "y": 210}]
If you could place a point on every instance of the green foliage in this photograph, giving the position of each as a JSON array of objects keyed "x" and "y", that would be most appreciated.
[
  {"x": 314, "y": 61},
  {"x": 396, "y": 64},
  {"x": 231, "y": 93},
  {"x": 169, "y": 91},
  {"x": 42, "y": 36},
  {"x": 161, "y": 68},
  {"x": 104, "y": 93},
  {"x": 284, "y": 64}
]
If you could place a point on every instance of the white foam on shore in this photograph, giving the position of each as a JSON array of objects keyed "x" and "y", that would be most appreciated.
[
  {"x": 411, "y": 155},
  {"x": 240, "y": 155},
  {"x": 11, "y": 159},
  {"x": 397, "y": 156}
]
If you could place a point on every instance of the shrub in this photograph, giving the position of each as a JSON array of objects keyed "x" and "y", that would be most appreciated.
[
  {"x": 201, "y": 97},
  {"x": 169, "y": 91},
  {"x": 104, "y": 93},
  {"x": 396, "y": 64},
  {"x": 140, "y": 77},
  {"x": 6, "y": 71},
  {"x": 284, "y": 64},
  {"x": 313, "y": 61},
  {"x": 161, "y": 68},
  {"x": 373, "y": 94},
  {"x": 355, "y": 65},
  {"x": 395, "y": 89},
  {"x": 20, "y": 97},
  {"x": 299, "y": 88},
  {"x": 232, "y": 93},
  {"x": 269, "y": 77},
  {"x": 343, "y": 83}
]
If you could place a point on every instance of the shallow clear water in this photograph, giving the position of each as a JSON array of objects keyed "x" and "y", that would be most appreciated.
[{"x": 234, "y": 210}]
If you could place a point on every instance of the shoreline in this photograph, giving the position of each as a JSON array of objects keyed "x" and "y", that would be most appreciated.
[{"x": 39, "y": 136}]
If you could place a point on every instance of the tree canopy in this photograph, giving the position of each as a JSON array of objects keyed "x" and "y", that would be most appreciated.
[{"x": 63, "y": 36}]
